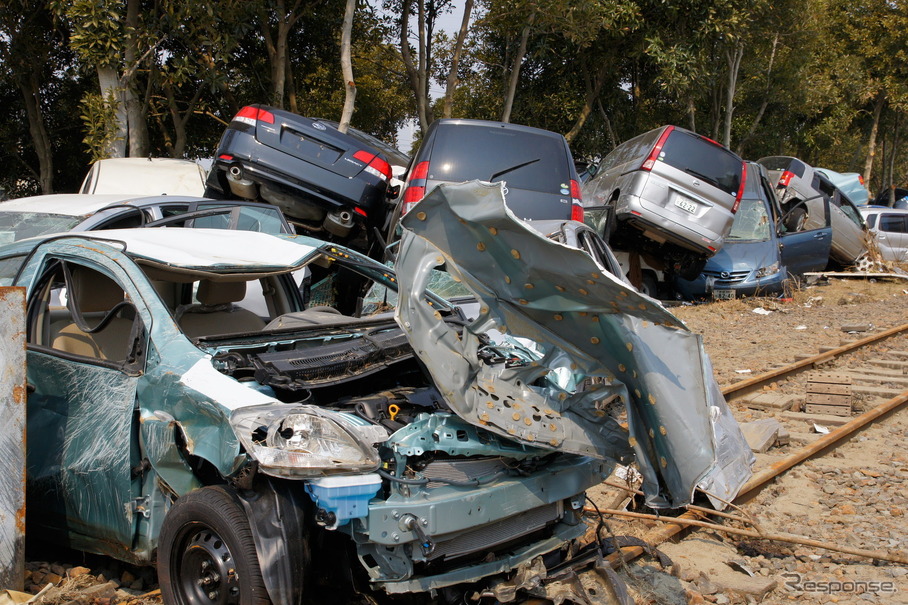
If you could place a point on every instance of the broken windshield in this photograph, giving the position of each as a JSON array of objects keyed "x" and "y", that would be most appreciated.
[{"x": 751, "y": 222}]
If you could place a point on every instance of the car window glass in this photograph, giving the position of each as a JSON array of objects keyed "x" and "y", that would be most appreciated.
[
  {"x": 524, "y": 160},
  {"x": 892, "y": 223},
  {"x": 174, "y": 209},
  {"x": 703, "y": 159},
  {"x": 251, "y": 218},
  {"x": 751, "y": 222},
  {"x": 847, "y": 209},
  {"x": 9, "y": 267},
  {"x": 20, "y": 225},
  {"x": 871, "y": 220},
  {"x": 126, "y": 220},
  {"x": 81, "y": 311}
]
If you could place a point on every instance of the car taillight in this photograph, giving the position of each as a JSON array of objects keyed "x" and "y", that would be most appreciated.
[
  {"x": 650, "y": 161},
  {"x": 738, "y": 197},
  {"x": 577, "y": 212},
  {"x": 861, "y": 179},
  {"x": 374, "y": 164},
  {"x": 576, "y": 195},
  {"x": 786, "y": 178},
  {"x": 416, "y": 187},
  {"x": 250, "y": 115}
]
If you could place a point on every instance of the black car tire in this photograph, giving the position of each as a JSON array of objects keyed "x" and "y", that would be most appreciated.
[{"x": 206, "y": 552}]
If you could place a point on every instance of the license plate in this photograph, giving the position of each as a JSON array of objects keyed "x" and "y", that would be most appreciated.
[
  {"x": 723, "y": 294},
  {"x": 686, "y": 205}
]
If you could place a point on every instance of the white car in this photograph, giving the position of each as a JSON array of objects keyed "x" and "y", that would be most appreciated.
[
  {"x": 145, "y": 176},
  {"x": 890, "y": 229}
]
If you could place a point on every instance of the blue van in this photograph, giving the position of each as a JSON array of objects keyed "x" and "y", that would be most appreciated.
[{"x": 760, "y": 255}]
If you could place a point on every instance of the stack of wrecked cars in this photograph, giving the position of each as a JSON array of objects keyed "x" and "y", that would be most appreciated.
[
  {"x": 670, "y": 194},
  {"x": 272, "y": 418},
  {"x": 810, "y": 199},
  {"x": 762, "y": 255}
]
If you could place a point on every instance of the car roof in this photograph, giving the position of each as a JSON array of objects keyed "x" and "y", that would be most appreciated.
[
  {"x": 84, "y": 204},
  {"x": 199, "y": 249}
]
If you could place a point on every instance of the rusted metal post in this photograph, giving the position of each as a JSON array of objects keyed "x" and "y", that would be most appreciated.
[{"x": 12, "y": 438}]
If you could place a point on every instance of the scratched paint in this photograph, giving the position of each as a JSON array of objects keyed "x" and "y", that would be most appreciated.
[{"x": 12, "y": 438}]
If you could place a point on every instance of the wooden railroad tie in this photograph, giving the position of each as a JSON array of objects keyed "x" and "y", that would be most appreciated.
[{"x": 828, "y": 393}]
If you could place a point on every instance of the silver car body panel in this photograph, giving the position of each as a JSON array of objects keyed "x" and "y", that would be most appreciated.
[{"x": 573, "y": 325}]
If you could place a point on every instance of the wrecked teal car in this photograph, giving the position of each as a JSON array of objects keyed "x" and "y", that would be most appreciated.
[{"x": 276, "y": 419}]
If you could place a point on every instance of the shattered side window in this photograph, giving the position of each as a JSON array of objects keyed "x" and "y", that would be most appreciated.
[{"x": 9, "y": 267}]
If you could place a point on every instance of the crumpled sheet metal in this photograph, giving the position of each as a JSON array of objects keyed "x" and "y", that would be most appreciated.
[
  {"x": 12, "y": 438},
  {"x": 589, "y": 324}
]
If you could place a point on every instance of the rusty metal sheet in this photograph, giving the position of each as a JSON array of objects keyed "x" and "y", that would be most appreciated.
[{"x": 12, "y": 438}]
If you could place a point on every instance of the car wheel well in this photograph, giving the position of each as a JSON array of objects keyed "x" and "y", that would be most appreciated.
[{"x": 206, "y": 548}]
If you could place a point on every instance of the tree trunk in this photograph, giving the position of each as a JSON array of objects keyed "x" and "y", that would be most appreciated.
[
  {"x": 515, "y": 70},
  {"x": 451, "y": 84},
  {"x": 419, "y": 93},
  {"x": 31, "y": 93},
  {"x": 613, "y": 140},
  {"x": 871, "y": 141},
  {"x": 277, "y": 47},
  {"x": 292, "y": 101},
  {"x": 135, "y": 108},
  {"x": 347, "y": 67},
  {"x": 113, "y": 95},
  {"x": 733, "y": 57},
  {"x": 766, "y": 97},
  {"x": 691, "y": 114},
  {"x": 592, "y": 94}
]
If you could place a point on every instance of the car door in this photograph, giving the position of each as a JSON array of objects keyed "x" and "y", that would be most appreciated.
[
  {"x": 806, "y": 250},
  {"x": 84, "y": 358}
]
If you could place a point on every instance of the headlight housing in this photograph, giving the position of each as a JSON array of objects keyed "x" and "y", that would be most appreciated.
[
  {"x": 767, "y": 270},
  {"x": 306, "y": 441}
]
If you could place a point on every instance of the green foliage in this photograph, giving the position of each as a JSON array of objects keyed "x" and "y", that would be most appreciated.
[
  {"x": 98, "y": 115},
  {"x": 810, "y": 75}
]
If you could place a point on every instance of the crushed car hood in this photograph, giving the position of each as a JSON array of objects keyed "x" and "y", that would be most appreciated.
[{"x": 573, "y": 343}]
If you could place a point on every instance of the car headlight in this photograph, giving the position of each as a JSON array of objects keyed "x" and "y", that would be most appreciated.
[
  {"x": 306, "y": 441},
  {"x": 767, "y": 270}
]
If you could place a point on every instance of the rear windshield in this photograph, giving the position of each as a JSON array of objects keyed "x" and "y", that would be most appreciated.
[
  {"x": 708, "y": 161},
  {"x": 525, "y": 160}
]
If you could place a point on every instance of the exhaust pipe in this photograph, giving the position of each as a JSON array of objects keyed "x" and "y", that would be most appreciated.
[
  {"x": 339, "y": 223},
  {"x": 239, "y": 186}
]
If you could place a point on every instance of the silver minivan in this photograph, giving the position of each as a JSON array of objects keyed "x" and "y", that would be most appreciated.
[{"x": 673, "y": 188}]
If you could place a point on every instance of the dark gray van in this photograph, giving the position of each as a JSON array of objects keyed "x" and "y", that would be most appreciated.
[
  {"x": 535, "y": 166},
  {"x": 671, "y": 188}
]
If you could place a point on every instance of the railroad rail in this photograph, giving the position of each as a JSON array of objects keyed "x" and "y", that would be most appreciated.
[{"x": 674, "y": 526}]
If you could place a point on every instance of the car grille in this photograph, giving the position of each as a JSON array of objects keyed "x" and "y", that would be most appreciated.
[
  {"x": 727, "y": 278},
  {"x": 485, "y": 538}
]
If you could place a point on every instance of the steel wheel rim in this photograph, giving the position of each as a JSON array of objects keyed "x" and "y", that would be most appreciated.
[{"x": 205, "y": 568}]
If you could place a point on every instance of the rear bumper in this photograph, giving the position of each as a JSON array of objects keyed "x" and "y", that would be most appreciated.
[{"x": 652, "y": 217}]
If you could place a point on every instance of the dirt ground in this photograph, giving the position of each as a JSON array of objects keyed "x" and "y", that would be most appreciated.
[
  {"x": 743, "y": 338},
  {"x": 854, "y": 496},
  {"x": 742, "y": 342}
]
